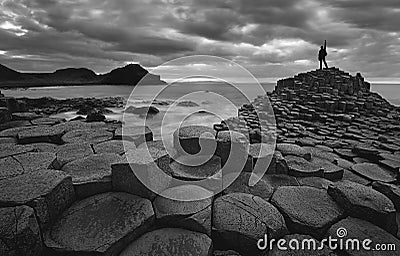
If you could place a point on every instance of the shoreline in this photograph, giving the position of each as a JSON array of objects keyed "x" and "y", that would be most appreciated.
[{"x": 325, "y": 153}]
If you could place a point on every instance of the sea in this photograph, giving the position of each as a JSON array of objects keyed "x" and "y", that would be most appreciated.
[{"x": 187, "y": 103}]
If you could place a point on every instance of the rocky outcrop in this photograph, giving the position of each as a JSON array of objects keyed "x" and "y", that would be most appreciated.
[{"x": 129, "y": 75}]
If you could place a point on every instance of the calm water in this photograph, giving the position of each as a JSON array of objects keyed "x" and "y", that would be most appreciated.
[{"x": 215, "y": 101}]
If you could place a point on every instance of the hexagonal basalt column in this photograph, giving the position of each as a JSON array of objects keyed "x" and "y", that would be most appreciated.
[
  {"x": 19, "y": 232},
  {"x": 99, "y": 225},
  {"x": 194, "y": 140},
  {"x": 92, "y": 174},
  {"x": 143, "y": 167},
  {"x": 48, "y": 192}
]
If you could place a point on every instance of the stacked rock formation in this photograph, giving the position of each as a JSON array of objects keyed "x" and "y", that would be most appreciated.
[{"x": 68, "y": 188}]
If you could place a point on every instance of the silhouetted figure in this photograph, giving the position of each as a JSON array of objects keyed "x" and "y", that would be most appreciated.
[{"x": 322, "y": 55}]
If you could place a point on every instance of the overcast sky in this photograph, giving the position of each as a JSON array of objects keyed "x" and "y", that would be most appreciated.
[{"x": 272, "y": 38}]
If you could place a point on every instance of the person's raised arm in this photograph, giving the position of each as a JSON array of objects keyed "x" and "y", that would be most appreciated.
[{"x": 325, "y": 45}]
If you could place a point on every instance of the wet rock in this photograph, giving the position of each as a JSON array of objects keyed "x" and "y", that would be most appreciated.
[
  {"x": 389, "y": 190},
  {"x": 95, "y": 116},
  {"x": 195, "y": 140},
  {"x": 331, "y": 171},
  {"x": 151, "y": 110},
  {"x": 41, "y": 134},
  {"x": 113, "y": 146},
  {"x": 366, "y": 203},
  {"x": 288, "y": 149},
  {"x": 307, "y": 210},
  {"x": 92, "y": 174},
  {"x": 33, "y": 161},
  {"x": 151, "y": 164},
  {"x": 69, "y": 152},
  {"x": 240, "y": 220},
  {"x": 262, "y": 188},
  {"x": 293, "y": 249},
  {"x": 19, "y": 232},
  {"x": 48, "y": 192},
  {"x": 373, "y": 172},
  {"x": 87, "y": 135},
  {"x": 112, "y": 220},
  {"x": 300, "y": 167},
  {"x": 86, "y": 110},
  {"x": 196, "y": 168},
  {"x": 170, "y": 242},
  {"x": 136, "y": 134},
  {"x": 186, "y": 206},
  {"x": 362, "y": 230}
]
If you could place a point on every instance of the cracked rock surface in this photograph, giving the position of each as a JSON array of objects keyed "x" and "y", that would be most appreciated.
[
  {"x": 307, "y": 210},
  {"x": 240, "y": 219}
]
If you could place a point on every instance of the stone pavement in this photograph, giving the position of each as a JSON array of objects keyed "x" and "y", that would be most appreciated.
[{"x": 66, "y": 188}]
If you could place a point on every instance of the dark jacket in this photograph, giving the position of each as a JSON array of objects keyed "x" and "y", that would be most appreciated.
[{"x": 322, "y": 54}]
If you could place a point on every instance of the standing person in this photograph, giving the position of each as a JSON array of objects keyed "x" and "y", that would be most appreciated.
[{"x": 322, "y": 55}]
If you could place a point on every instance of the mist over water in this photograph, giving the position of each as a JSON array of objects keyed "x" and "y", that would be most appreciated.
[{"x": 211, "y": 109}]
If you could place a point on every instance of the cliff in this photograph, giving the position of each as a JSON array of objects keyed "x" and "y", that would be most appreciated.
[{"x": 128, "y": 75}]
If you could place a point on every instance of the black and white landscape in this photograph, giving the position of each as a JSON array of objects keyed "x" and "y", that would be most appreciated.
[{"x": 104, "y": 151}]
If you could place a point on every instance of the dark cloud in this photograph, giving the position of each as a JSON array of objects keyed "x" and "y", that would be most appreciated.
[{"x": 279, "y": 37}]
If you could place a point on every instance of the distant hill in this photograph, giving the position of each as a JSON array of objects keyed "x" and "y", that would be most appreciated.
[
  {"x": 8, "y": 74},
  {"x": 128, "y": 75}
]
